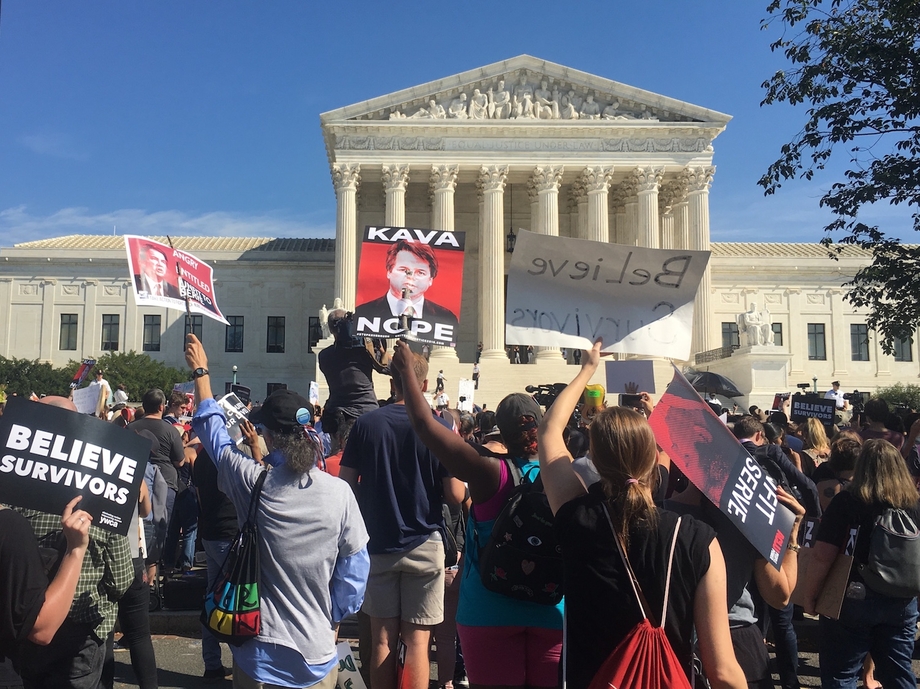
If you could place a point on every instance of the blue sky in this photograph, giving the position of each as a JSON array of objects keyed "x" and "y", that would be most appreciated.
[{"x": 202, "y": 118}]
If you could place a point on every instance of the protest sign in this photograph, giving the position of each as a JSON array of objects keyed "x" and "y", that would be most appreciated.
[
  {"x": 82, "y": 372},
  {"x": 630, "y": 376},
  {"x": 349, "y": 675},
  {"x": 235, "y": 411},
  {"x": 425, "y": 264},
  {"x": 565, "y": 292},
  {"x": 242, "y": 392},
  {"x": 163, "y": 276},
  {"x": 466, "y": 394},
  {"x": 88, "y": 399},
  {"x": 703, "y": 448},
  {"x": 50, "y": 455},
  {"x": 813, "y": 406}
]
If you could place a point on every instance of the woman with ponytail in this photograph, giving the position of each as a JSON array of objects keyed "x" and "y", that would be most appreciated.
[{"x": 592, "y": 525}]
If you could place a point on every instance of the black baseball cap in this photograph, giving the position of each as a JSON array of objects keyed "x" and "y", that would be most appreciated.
[
  {"x": 280, "y": 411},
  {"x": 510, "y": 410}
]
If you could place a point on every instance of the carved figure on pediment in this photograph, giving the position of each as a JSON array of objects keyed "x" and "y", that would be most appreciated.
[
  {"x": 613, "y": 112},
  {"x": 432, "y": 112},
  {"x": 479, "y": 106},
  {"x": 646, "y": 114},
  {"x": 568, "y": 108},
  {"x": 457, "y": 108},
  {"x": 499, "y": 102},
  {"x": 546, "y": 104},
  {"x": 397, "y": 115},
  {"x": 522, "y": 99},
  {"x": 590, "y": 110}
]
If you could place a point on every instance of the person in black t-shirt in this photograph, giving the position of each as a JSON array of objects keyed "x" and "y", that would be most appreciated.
[
  {"x": 218, "y": 526},
  {"x": 601, "y": 608},
  {"x": 349, "y": 371},
  {"x": 869, "y": 620},
  {"x": 31, "y": 608}
]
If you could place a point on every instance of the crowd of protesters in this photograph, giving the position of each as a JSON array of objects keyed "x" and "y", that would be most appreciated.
[{"x": 385, "y": 509}]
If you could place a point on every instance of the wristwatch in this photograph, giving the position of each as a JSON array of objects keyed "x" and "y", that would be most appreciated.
[
  {"x": 794, "y": 547},
  {"x": 198, "y": 372}
]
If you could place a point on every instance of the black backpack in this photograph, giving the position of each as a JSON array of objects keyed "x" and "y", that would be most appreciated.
[
  {"x": 522, "y": 559},
  {"x": 893, "y": 567}
]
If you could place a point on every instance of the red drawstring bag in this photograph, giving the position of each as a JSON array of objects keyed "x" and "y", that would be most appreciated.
[{"x": 644, "y": 659}]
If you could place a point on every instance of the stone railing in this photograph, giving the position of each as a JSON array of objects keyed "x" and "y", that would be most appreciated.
[{"x": 714, "y": 354}]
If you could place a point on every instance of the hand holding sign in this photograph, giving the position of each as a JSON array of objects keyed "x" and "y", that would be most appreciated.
[
  {"x": 403, "y": 364},
  {"x": 75, "y": 525}
]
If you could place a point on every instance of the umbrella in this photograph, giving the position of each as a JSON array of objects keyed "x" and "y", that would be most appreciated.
[{"x": 707, "y": 381}]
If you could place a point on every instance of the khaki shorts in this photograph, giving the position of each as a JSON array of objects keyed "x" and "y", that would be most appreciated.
[{"x": 408, "y": 585}]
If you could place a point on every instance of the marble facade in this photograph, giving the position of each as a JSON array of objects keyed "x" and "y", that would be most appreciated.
[{"x": 529, "y": 144}]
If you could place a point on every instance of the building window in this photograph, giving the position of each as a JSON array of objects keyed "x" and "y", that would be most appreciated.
[
  {"x": 730, "y": 335},
  {"x": 816, "y": 349},
  {"x": 315, "y": 331},
  {"x": 234, "y": 341},
  {"x": 271, "y": 387},
  {"x": 904, "y": 349},
  {"x": 196, "y": 325},
  {"x": 110, "y": 326},
  {"x": 777, "y": 329},
  {"x": 859, "y": 341},
  {"x": 68, "y": 332},
  {"x": 274, "y": 342},
  {"x": 152, "y": 333}
]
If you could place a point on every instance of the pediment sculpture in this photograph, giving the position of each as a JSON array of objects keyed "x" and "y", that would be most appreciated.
[{"x": 527, "y": 99}]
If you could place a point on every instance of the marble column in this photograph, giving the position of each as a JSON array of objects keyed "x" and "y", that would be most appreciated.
[
  {"x": 596, "y": 181},
  {"x": 667, "y": 198},
  {"x": 492, "y": 259},
  {"x": 580, "y": 208},
  {"x": 92, "y": 320},
  {"x": 618, "y": 205},
  {"x": 681, "y": 210},
  {"x": 630, "y": 234},
  {"x": 546, "y": 180},
  {"x": 534, "y": 199},
  {"x": 346, "y": 178},
  {"x": 395, "y": 178},
  {"x": 699, "y": 180},
  {"x": 666, "y": 224},
  {"x": 648, "y": 181},
  {"x": 443, "y": 182}
]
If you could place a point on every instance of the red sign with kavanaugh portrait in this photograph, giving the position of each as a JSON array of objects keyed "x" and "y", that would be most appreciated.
[
  {"x": 411, "y": 273},
  {"x": 164, "y": 276}
]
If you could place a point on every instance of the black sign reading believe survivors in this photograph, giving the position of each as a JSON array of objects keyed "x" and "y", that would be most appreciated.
[
  {"x": 812, "y": 406},
  {"x": 50, "y": 455}
]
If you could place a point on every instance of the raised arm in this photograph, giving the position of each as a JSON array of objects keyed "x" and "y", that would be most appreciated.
[
  {"x": 461, "y": 460},
  {"x": 560, "y": 481},
  {"x": 776, "y": 586}
]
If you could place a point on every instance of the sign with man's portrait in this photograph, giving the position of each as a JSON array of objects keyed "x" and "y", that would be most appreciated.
[
  {"x": 411, "y": 273},
  {"x": 163, "y": 276}
]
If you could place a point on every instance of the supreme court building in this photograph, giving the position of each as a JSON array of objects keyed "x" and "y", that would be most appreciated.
[{"x": 520, "y": 144}]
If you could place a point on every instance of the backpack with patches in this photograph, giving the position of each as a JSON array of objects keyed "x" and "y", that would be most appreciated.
[{"x": 522, "y": 559}]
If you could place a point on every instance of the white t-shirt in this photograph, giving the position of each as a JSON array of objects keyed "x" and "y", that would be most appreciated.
[{"x": 836, "y": 395}]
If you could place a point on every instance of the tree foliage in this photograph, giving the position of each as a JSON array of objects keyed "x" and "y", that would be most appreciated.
[
  {"x": 901, "y": 394},
  {"x": 856, "y": 65},
  {"x": 138, "y": 372},
  {"x": 25, "y": 376}
]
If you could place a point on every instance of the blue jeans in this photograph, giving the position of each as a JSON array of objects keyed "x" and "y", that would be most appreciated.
[
  {"x": 183, "y": 519},
  {"x": 787, "y": 647},
  {"x": 216, "y": 553},
  {"x": 879, "y": 625}
]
